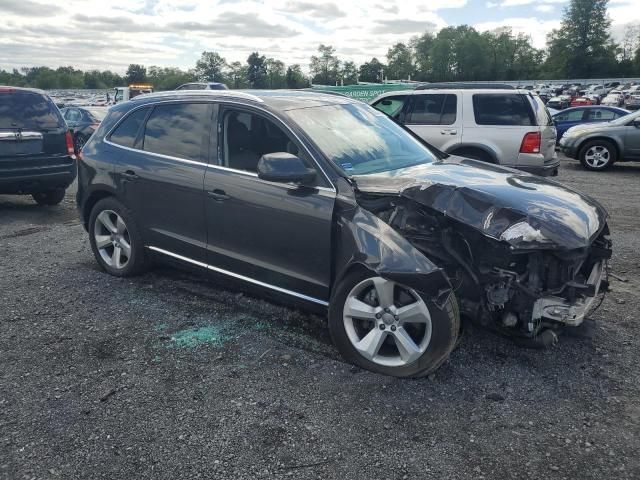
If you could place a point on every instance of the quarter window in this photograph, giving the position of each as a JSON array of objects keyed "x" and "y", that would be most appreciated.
[
  {"x": 179, "y": 130},
  {"x": 126, "y": 133},
  {"x": 502, "y": 109},
  {"x": 433, "y": 109}
]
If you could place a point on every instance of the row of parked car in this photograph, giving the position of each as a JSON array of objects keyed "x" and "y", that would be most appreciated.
[{"x": 627, "y": 96}]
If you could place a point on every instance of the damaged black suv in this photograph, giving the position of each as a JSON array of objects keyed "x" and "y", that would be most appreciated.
[{"x": 328, "y": 201}]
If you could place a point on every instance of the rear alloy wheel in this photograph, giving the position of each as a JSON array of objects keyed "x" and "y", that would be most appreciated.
[
  {"x": 49, "y": 197},
  {"x": 385, "y": 327},
  {"x": 115, "y": 241},
  {"x": 597, "y": 155}
]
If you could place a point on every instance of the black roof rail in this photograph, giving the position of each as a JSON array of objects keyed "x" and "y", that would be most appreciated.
[{"x": 464, "y": 86}]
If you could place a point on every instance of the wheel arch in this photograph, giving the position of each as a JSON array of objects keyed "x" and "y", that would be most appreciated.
[
  {"x": 94, "y": 197},
  {"x": 460, "y": 148}
]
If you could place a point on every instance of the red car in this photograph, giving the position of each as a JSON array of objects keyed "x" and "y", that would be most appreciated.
[{"x": 581, "y": 102}]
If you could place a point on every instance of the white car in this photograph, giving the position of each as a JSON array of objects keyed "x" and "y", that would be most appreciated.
[
  {"x": 497, "y": 125},
  {"x": 613, "y": 99}
]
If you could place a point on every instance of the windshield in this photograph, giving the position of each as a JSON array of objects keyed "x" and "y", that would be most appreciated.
[
  {"x": 359, "y": 139},
  {"x": 28, "y": 110}
]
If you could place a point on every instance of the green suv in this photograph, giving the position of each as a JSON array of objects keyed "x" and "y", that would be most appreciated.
[{"x": 598, "y": 146}]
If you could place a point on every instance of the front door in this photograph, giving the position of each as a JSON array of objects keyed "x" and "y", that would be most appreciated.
[
  {"x": 161, "y": 174},
  {"x": 273, "y": 234}
]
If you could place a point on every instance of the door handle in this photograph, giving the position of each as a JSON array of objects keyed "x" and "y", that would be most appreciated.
[
  {"x": 130, "y": 175},
  {"x": 449, "y": 131},
  {"x": 218, "y": 195}
]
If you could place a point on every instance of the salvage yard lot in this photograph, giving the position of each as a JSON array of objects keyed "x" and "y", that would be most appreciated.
[{"x": 172, "y": 375}]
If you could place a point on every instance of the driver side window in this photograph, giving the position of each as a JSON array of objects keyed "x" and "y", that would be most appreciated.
[{"x": 247, "y": 137}]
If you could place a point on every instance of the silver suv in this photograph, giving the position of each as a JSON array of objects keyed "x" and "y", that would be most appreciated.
[{"x": 498, "y": 125}]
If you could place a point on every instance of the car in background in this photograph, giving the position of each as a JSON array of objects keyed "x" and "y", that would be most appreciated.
[
  {"x": 496, "y": 125},
  {"x": 82, "y": 122},
  {"x": 37, "y": 157},
  {"x": 559, "y": 102},
  {"x": 613, "y": 99},
  {"x": 203, "y": 86},
  {"x": 599, "y": 146},
  {"x": 630, "y": 90},
  {"x": 581, "y": 102},
  {"x": 581, "y": 115},
  {"x": 611, "y": 85},
  {"x": 632, "y": 102},
  {"x": 326, "y": 201}
]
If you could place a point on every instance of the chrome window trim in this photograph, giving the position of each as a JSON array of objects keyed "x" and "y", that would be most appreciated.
[
  {"x": 106, "y": 140},
  {"x": 21, "y": 135},
  {"x": 238, "y": 276}
]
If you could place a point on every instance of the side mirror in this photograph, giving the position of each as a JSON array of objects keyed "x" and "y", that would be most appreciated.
[{"x": 284, "y": 167}]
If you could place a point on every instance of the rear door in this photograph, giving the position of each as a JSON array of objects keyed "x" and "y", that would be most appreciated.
[
  {"x": 32, "y": 133},
  {"x": 161, "y": 173},
  {"x": 567, "y": 119},
  {"x": 436, "y": 118}
]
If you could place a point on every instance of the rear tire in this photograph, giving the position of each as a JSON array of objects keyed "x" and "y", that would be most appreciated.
[
  {"x": 597, "y": 155},
  {"x": 115, "y": 239},
  {"x": 410, "y": 337},
  {"x": 49, "y": 197}
]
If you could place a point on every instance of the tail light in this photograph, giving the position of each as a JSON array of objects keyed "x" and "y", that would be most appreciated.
[
  {"x": 70, "y": 150},
  {"x": 531, "y": 143}
]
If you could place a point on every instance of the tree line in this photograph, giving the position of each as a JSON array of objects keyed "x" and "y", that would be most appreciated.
[{"x": 581, "y": 48}]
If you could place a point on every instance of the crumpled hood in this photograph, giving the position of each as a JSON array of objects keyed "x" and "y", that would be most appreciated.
[{"x": 491, "y": 198}]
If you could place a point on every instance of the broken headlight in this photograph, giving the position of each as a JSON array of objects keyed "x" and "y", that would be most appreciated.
[{"x": 522, "y": 233}]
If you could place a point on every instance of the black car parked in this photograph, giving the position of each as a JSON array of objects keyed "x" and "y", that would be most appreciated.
[
  {"x": 82, "y": 122},
  {"x": 36, "y": 149},
  {"x": 325, "y": 200}
]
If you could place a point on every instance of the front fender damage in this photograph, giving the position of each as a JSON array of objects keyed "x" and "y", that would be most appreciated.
[{"x": 364, "y": 240}]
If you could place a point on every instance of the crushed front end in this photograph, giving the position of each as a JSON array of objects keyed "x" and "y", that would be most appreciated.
[{"x": 524, "y": 275}]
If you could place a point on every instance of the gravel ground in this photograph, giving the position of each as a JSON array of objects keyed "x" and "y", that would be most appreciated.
[{"x": 171, "y": 375}]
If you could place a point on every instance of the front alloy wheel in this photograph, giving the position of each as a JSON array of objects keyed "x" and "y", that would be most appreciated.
[
  {"x": 597, "y": 155},
  {"x": 386, "y": 327}
]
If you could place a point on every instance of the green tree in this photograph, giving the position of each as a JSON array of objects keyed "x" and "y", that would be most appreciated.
[
  {"x": 400, "y": 62},
  {"x": 372, "y": 71},
  {"x": 136, "y": 73},
  {"x": 257, "y": 70},
  {"x": 295, "y": 77},
  {"x": 583, "y": 42},
  {"x": 349, "y": 73},
  {"x": 237, "y": 75},
  {"x": 210, "y": 67},
  {"x": 276, "y": 73},
  {"x": 168, "y": 78},
  {"x": 421, "y": 47},
  {"x": 325, "y": 67}
]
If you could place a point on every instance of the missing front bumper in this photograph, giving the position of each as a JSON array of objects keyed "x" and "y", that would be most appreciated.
[{"x": 558, "y": 309}]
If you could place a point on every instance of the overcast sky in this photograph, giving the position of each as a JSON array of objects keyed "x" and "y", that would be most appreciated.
[{"x": 110, "y": 34}]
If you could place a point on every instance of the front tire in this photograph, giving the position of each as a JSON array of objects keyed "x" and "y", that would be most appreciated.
[
  {"x": 388, "y": 328},
  {"x": 115, "y": 239},
  {"x": 597, "y": 155},
  {"x": 49, "y": 197}
]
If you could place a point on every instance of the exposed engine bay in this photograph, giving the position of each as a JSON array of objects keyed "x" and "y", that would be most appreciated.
[{"x": 519, "y": 283}]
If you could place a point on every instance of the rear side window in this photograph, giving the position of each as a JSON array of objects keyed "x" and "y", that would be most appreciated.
[
  {"x": 28, "y": 110},
  {"x": 126, "y": 133},
  {"x": 502, "y": 109},
  {"x": 601, "y": 115},
  {"x": 179, "y": 130},
  {"x": 572, "y": 116}
]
